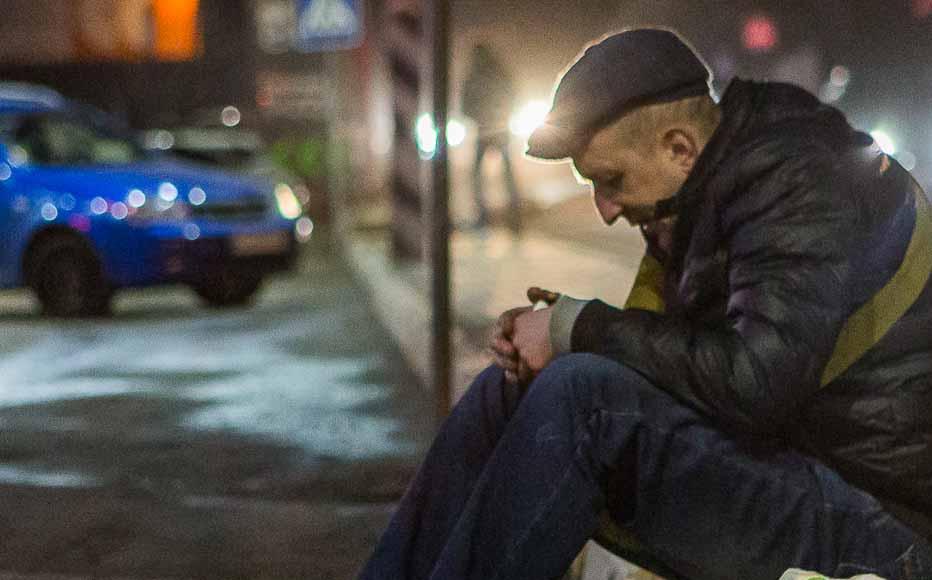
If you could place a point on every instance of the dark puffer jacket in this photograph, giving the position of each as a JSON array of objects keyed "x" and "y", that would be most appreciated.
[{"x": 793, "y": 244}]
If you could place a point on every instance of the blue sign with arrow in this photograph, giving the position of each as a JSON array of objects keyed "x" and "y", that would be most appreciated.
[{"x": 325, "y": 25}]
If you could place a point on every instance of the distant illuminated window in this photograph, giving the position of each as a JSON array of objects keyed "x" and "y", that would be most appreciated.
[
  {"x": 131, "y": 30},
  {"x": 176, "y": 29},
  {"x": 110, "y": 29}
]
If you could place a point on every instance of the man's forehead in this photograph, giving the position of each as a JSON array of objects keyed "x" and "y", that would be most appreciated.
[
  {"x": 597, "y": 156},
  {"x": 592, "y": 161}
]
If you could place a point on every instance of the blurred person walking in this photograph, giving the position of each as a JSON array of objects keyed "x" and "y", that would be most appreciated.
[{"x": 488, "y": 99}]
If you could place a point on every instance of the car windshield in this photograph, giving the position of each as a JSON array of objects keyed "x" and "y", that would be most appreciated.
[
  {"x": 65, "y": 140},
  {"x": 224, "y": 147}
]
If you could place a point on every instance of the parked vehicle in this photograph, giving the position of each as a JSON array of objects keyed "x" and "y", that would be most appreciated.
[
  {"x": 230, "y": 148},
  {"x": 85, "y": 210}
]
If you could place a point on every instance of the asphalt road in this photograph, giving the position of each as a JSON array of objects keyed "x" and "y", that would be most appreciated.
[{"x": 173, "y": 440}]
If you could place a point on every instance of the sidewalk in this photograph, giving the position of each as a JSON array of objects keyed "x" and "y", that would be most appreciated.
[
  {"x": 490, "y": 273},
  {"x": 172, "y": 441}
]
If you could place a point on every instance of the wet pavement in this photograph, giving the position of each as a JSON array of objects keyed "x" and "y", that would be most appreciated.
[{"x": 173, "y": 440}]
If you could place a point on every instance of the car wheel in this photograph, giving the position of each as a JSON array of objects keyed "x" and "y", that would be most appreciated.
[
  {"x": 68, "y": 279},
  {"x": 229, "y": 288}
]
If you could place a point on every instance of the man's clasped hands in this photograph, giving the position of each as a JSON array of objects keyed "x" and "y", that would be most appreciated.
[{"x": 520, "y": 341}]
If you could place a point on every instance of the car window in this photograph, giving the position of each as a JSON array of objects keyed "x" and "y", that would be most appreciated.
[{"x": 65, "y": 141}]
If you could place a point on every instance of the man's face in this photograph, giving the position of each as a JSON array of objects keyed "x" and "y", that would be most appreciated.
[{"x": 627, "y": 181}]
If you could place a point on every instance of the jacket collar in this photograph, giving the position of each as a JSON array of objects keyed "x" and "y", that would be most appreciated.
[{"x": 737, "y": 107}]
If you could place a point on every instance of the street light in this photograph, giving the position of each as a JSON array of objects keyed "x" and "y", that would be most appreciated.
[
  {"x": 884, "y": 141},
  {"x": 528, "y": 118},
  {"x": 425, "y": 133}
]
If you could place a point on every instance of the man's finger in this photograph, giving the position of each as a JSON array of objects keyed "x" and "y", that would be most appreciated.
[
  {"x": 506, "y": 322},
  {"x": 511, "y": 377},
  {"x": 504, "y": 347},
  {"x": 509, "y": 364},
  {"x": 504, "y": 328},
  {"x": 525, "y": 374}
]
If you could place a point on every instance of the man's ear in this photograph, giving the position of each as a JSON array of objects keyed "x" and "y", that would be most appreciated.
[{"x": 681, "y": 147}]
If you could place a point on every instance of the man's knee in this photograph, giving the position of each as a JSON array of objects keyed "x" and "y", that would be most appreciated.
[
  {"x": 591, "y": 381},
  {"x": 490, "y": 393},
  {"x": 587, "y": 369},
  {"x": 491, "y": 379},
  {"x": 490, "y": 375},
  {"x": 582, "y": 362}
]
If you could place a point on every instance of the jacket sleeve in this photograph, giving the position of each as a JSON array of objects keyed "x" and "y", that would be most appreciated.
[{"x": 787, "y": 233}]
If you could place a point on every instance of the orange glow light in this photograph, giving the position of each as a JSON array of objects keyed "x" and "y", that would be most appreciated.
[{"x": 176, "y": 29}]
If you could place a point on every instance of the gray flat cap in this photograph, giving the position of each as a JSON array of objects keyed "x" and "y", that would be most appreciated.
[{"x": 624, "y": 70}]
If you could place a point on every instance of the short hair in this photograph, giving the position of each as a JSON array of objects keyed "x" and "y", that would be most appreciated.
[{"x": 642, "y": 123}]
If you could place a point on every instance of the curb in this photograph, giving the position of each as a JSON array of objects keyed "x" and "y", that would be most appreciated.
[{"x": 398, "y": 296}]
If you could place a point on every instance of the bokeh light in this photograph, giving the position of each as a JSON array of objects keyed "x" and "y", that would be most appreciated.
[
  {"x": 426, "y": 136},
  {"x": 136, "y": 198},
  {"x": 304, "y": 227},
  {"x": 67, "y": 202},
  {"x": 160, "y": 139},
  {"x": 840, "y": 76},
  {"x": 288, "y": 205},
  {"x": 528, "y": 118},
  {"x": 759, "y": 33},
  {"x": 884, "y": 141},
  {"x": 49, "y": 211},
  {"x": 922, "y": 8},
  {"x": 119, "y": 210},
  {"x": 99, "y": 206},
  {"x": 456, "y": 133},
  {"x": 192, "y": 232},
  {"x": 230, "y": 116},
  {"x": 197, "y": 196},
  {"x": 168, "y": 191}
]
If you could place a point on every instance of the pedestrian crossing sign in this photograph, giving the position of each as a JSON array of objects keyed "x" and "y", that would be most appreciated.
[{"x": 329, "y": 24}]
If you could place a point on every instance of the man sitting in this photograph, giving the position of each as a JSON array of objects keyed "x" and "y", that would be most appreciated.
[{"x": 763, "y": 400}]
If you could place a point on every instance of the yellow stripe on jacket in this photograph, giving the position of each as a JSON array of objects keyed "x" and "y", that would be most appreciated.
[
  {"x": 647, "y": 291},
  {"x": 870, "y": 322}
]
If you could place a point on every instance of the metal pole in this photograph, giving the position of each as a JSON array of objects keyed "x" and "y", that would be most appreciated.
[{"x": 439, "y": 246}]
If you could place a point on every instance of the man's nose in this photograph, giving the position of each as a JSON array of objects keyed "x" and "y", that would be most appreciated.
[{"x": 608, "y": 210}]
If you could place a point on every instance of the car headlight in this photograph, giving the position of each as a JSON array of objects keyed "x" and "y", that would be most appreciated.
[{"x": 287, "y": 202}]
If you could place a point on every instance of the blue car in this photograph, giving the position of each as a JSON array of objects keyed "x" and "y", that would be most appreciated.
[{"x": 84, "y": 211}]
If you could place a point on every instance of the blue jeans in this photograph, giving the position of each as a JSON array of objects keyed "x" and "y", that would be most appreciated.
[{"x": 513, "y": 486}]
